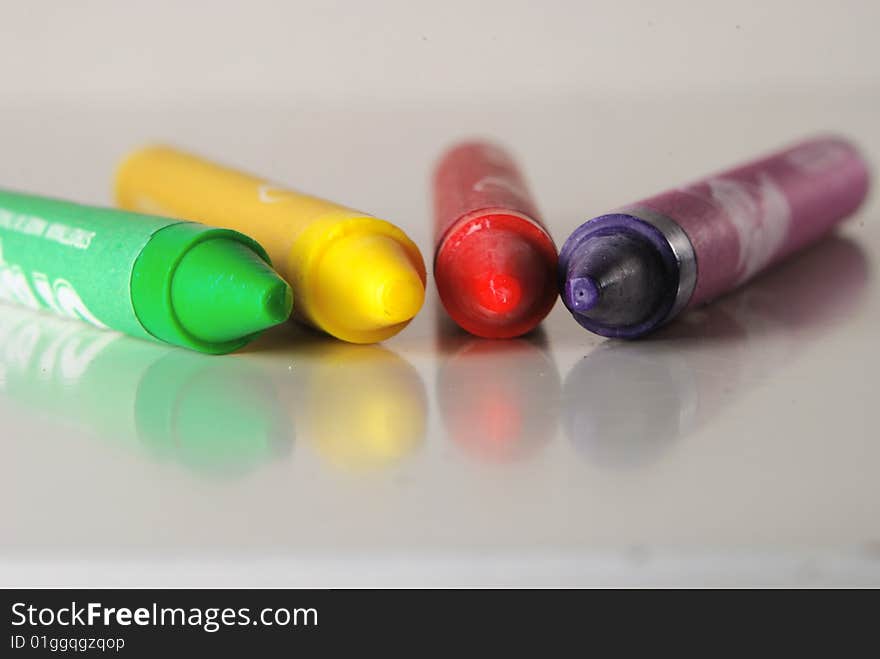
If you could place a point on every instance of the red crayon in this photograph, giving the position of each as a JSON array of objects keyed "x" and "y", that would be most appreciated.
[{"x": 494, "y": 261}]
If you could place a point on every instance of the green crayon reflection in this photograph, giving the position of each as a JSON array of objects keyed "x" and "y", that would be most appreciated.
[
  {"x": 217, "y": 416},
  {"x": 214, "y": 415}
]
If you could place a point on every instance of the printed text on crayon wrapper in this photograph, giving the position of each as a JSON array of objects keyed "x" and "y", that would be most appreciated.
[
  {"x": 54, "y": 348},
  {"x": 36, "y": 291},
  {"x": 761, "y": 216},
  {"x": 760, "y": 212}
]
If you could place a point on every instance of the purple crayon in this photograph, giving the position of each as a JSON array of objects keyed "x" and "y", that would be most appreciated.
[{"x": 626, "y": 273}]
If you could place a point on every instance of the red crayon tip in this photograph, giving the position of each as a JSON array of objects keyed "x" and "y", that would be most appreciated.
[
  {"x": 498, "y": 292},
  {"x": 495, "y": 263},
  {"x": 496, "y": 275}
]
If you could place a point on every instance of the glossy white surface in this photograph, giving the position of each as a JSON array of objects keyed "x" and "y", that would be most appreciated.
[{"x": 739, "y": 446}]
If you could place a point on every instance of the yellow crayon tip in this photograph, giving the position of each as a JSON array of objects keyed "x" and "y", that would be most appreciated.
[
  {"x": 401, "y": 299},
  {"x": 368, "y": 287}
]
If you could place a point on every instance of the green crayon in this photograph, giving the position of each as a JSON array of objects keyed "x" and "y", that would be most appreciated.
[{"x": 211, "y": 290}]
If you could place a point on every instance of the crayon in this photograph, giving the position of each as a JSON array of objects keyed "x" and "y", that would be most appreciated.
[
  {"x": 207, "y": 289},
  {"x": 357, "y": 278},
  {"x": 626, "y": 273},
  {"x": 494, "y": 261}
]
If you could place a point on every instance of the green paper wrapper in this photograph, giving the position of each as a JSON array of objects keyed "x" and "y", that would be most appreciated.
[{"x": 73, "y": 260}]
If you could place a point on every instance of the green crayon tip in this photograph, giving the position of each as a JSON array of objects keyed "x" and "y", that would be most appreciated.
[
  {"x": 222, "y": 291},
  {"x": 190, "y": 285},
  {"x": 208, "y": 289}
]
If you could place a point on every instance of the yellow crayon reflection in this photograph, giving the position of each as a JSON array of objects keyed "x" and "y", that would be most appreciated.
[{"x": 361, "y": 406}]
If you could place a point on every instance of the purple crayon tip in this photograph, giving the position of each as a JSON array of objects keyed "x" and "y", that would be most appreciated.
[
  {"x": 619, "y": 275},
  {"x": 581, "y": 294}
]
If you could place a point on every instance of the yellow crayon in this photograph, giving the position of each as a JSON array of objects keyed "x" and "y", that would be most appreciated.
[{"x": 356, "y": 277}]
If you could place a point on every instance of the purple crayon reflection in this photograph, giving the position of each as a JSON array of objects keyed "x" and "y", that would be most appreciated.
[
  {"x": 626, "y": 273},
  {"x": 627, "y": 403}
]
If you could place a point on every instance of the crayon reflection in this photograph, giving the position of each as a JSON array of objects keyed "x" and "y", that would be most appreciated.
[
  {"x": 499, "y": 399},
  {"x": 362, "y": 407},
  {"x": 221, "y": 416},
  {"x": 215, "y": 416},
  {"x": 626, "y": 403}
]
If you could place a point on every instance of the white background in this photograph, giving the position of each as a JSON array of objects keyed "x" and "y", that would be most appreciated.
[{"x": 387, "y": 51}]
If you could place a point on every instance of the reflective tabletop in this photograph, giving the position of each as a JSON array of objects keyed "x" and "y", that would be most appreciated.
[{"x": 737, "y": 446}]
